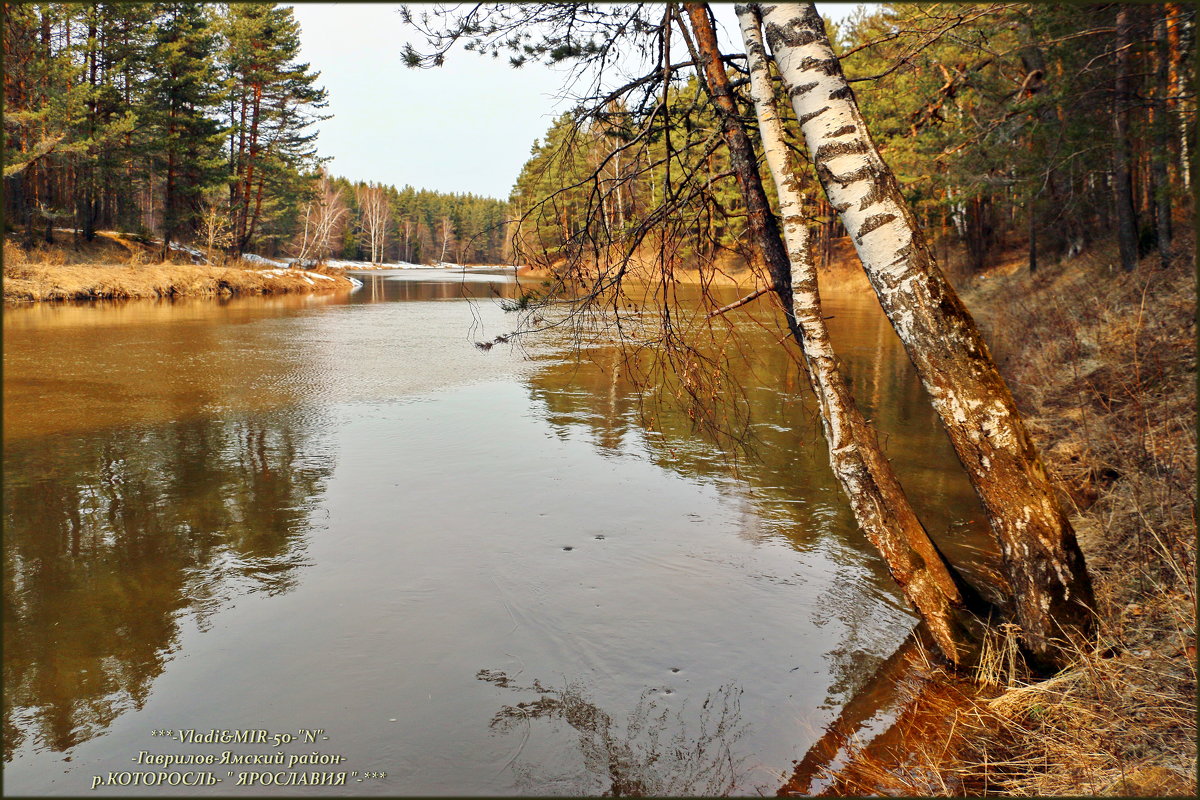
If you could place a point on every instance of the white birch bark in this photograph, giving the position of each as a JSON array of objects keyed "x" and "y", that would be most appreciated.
[
  {"x": 445, "y": 237},
  {"x": 373, "y": 206},
  {"x": 864, "y": 472},
  {"x": 321, "y": 217},
  {"x": 330, "y": 214},
  {"x": 307, "y": 241},
  {"x": 1044, "y": 565}
]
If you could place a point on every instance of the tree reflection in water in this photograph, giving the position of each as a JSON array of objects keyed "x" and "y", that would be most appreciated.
[
  {"x": 111, "y": 538},
  {"x": 657, "y": 752}
]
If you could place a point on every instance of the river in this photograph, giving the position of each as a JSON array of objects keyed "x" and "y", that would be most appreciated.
[{"x": 476, "y": 572}]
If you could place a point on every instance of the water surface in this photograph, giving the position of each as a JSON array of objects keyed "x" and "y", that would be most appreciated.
[{"x": 493, "y": 571}]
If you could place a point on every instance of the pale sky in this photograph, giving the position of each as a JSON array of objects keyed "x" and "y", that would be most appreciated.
[{"x": 465, "y": 127}]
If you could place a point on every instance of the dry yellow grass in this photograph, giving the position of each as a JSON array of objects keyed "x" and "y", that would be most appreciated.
[
  {"x": 1103, "y": 364},
  {"x": 731, "y": 274},
  {"x": 108, "y": 248},
  {"x": 728, "y": 270},
  {"x": 39, "y": 282},
  {"x": 47, "y": 275}
]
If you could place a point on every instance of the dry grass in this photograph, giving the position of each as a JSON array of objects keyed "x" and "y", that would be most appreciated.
[
  {"x": 59, "y": 273},
  {"x": 39, "y": 282},
  {"x": 730, "y": 269},
  {"x": 1115, "y": 723},
  {"x": 108, "y": 248},
  {"x": 1103, "y": 364},
  {"x": 843, "y": 278},
  {"x": 726, "y": 272}
]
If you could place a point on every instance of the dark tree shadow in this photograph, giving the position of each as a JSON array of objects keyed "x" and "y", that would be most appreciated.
[{"x": 656, "y": 752}]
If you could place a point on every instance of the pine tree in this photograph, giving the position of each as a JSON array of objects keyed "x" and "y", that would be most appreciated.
[
  {"x": 273, "y": 103},
  {"x": 119, "y": 55},
  {"x": 182, "y": 95}
]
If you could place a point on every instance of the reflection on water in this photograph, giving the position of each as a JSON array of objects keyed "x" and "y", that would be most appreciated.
[
  {"x": 110, "y": 536},
  {"x": 78, "y": 367},
  {"x": 657, "y": 752},
  {"x": 796, "y": 496},
  {"x": 444, "y": 285},
  {"x": 329, "y": 512}
]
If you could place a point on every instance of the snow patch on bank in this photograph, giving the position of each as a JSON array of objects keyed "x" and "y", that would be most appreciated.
[
  {"x": 257, "y": 259},
  {"x": 308, "y": 277},
  {"x": 191, "y": 251},
  {"x": 341, "y": 263}
]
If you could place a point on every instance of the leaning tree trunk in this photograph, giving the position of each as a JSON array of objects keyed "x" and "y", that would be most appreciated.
[
  {"x": 863, "y": 471},
  {"x": 1052, "y": 591}
]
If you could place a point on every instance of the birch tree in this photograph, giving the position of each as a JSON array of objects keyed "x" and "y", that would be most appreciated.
[
  {"x": 319, "y": 219},
  {"x": 374, "y": 215},
  {"x": 214, "y": 232},
  {"x": 864, "y": 473},
  {"x": 445, "y": 238},
  {"x": 1052, "y": 591}
]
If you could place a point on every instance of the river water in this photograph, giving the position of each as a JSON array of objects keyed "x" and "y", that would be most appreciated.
[{"x": 503, "y": 571}]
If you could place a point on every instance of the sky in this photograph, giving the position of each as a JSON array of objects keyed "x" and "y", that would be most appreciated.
[{"x": 467, "y": 126}]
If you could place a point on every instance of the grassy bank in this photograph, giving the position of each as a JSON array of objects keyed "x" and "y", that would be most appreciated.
[
  {"x": 1103, "y": 365},
  {"x": 114, "y": 268}
]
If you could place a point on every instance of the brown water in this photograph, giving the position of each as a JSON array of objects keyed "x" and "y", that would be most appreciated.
[{"x": 478, "y": 572}]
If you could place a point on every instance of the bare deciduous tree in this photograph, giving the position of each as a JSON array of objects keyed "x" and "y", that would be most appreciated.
[
  {"x": 374, "y": 216},
  {"x": 320, "y": 218},
  {"x": 215, "y": 232}
]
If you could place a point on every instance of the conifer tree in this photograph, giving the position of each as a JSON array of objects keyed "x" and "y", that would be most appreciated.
[
  {"x": 274, "y": 101},
  {"x": 182, "y": 95},
  {"x": 119, "y": 54}
]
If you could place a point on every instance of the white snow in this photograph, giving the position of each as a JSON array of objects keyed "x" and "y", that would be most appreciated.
[
  {"x": 308, "y": 277},
  {"x": 365, "y": 265},
  {"x": 191, "y": 251},
  {"x": 341, "y": 263},
  {"x": 257, "y": 259}
]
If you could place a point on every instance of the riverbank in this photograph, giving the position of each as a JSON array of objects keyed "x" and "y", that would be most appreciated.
[
  {"x": 39, "y": 282},
  {"x": 729, "y": 269},
  {"x": 1103, "y": 365},
  {"x": 116, "y": 269},
  {"x": 640, "y": 272}
]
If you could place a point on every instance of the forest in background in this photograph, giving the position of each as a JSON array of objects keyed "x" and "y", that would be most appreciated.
[
  {"x": 194, "y": 123},
  {"x": 1008, "y": 129}
]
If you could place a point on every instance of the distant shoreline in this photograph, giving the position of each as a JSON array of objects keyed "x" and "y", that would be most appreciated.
[{"x": 31, "y": 283}]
